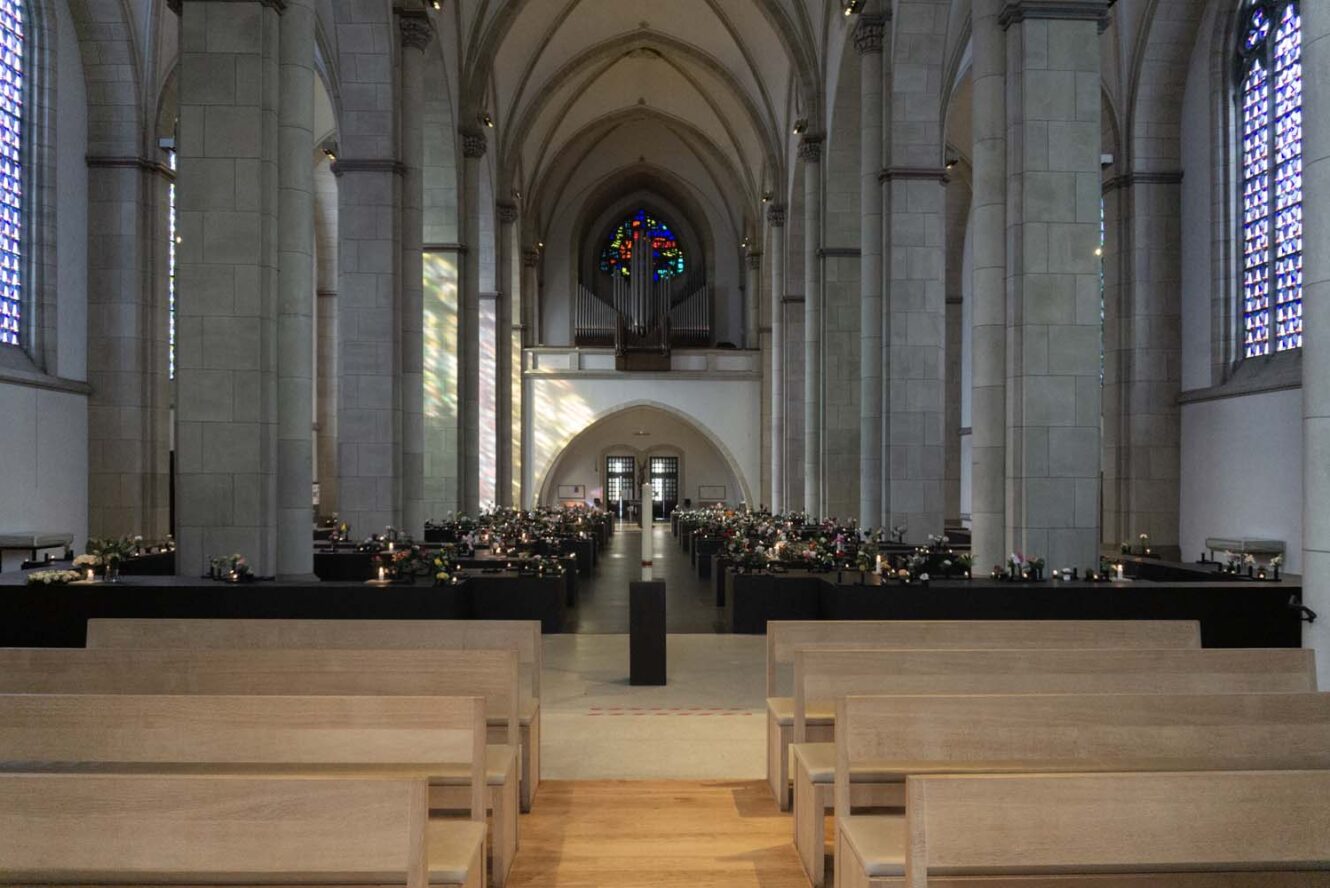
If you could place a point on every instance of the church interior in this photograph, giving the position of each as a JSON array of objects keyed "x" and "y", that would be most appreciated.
[{"x": 757, "y": 443}]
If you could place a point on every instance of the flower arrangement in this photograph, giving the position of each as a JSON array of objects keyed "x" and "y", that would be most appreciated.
[
  {"x": 232, "y": 568},
  {"x": 109, "y": 552},
  {"x": 53, "y": 577}
]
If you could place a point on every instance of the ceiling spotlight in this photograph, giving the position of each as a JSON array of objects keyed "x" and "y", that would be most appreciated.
[
  {"x": 853, "y": 6},
  {"x": 540, "y": 245},
  {"x": 437, "y": 4},
  {"x": 801, "y": 126}
]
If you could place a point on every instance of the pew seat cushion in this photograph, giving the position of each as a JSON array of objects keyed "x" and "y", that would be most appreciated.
[
  {"x": 816, "y": 714},
  {"x": 499, "y": 762},
  {"x": 453, "y": 848},
  {"x": 879, "y": 843},
  {"x": 819, "y": 759}
]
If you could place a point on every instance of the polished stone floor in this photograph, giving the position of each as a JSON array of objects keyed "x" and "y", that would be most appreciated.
[
  {"x": 603, "y": 598},
  {"x": 707, "y": 723}
]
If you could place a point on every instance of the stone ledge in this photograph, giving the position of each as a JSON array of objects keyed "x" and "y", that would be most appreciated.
[
  {"x": 16, "y": 368},
  {"x": 1253, "y": 376}
]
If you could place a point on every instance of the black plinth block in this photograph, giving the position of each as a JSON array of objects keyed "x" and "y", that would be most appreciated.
[{"x": 646, "y": 633}]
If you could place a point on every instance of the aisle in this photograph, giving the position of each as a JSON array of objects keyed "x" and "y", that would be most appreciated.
[
  {"x": 614, "y": 834},
  {"x": 603, "y": 598}
]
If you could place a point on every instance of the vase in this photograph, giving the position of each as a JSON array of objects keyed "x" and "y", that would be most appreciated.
[{"x": 113, "y": 571}]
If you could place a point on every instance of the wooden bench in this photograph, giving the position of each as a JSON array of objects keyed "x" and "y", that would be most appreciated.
[
  {"x": 185, "y": 831},
  {"x": 883, "y": 740},
  {"x": 523, "y": 636},
  {"x": 785, "y": 637},
  {"x": 1227, "y": 829},
  {"x": 491, "y": 675},
  {"x": 822, "y": 677}
]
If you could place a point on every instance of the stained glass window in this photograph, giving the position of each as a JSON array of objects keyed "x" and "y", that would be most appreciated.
[
  {"x": 667, "y": 259},
  {"x": 11, "y": 171},
  {"x": 174, "y": 238},
  {"x": 1270, "y": 80}
]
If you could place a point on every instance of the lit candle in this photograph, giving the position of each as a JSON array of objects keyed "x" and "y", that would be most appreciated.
[
  {"x": 1121, "y": 572},
  {"x": 383, "y": 573},
  {"x": 878, "y": 568},
  {"x": 87, "y": 575}
]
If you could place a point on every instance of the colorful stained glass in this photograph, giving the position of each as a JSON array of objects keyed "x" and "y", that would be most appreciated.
[
  {"x": 11, "y": 172},
  {"x": 667, "y": 258},
  {"x": 1272, "y": 180},
  {"x": 170, "y": 272}
]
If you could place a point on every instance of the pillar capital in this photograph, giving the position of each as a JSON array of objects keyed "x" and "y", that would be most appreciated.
[
  {"x": 1016, "y": 11},
  {"x": 415, "y": 28},
  {"x": 531, "y": 257},
  {"x": 507, "y": 212},
  {"x": 474, "y": 143},
  {"x": 776, "y": 215},
  {"x": 868, "y": 34},
  {"x": 810, "y": 148},
  {"x": 754, "y": 261}
]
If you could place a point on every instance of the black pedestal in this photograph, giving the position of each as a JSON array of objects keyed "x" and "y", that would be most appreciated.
[{"x": 646, "y": 633}]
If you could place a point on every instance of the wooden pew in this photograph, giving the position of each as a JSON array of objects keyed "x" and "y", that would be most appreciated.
[
  {"x": 522, "y": 636},
  {"x": 822, "y": 677},
  {"x": 1227, "y": 829},
  {"x": 785, "y": 637},
  {"x": 183, "y": 831},
  {"x": 491, "y": 675},
  {"x": 886, "y": 739}
]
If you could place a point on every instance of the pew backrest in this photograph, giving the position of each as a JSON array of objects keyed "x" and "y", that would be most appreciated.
[
  {"x": 522, "y": 636},
  {"x": 784, "y": 637},
  {"x": 1220, "y": 822},
  {"x": 1079, "y": 732},
  {"x": 89, "y": 829},
  {"x": 491, "y": 675},
  {"x": 91, "y": 731},
  {"x": 823, "y": 676}
]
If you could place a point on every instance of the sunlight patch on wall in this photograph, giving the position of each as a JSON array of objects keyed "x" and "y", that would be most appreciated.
[{"x": 440, "y": 325}]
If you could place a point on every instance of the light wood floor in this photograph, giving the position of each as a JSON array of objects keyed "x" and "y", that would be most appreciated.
[{"x": 633, "y": 834}]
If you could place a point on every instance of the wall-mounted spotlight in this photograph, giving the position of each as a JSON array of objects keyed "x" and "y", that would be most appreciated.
[
  {"x": 801, "y": 126},
  {"x": 853, "y": 6},
  {"x": 517, "y": 195},
  {"x": 329, "y": 149},
  {"x": 487, "y": 120},
  {"x": 766, "y": 197},
  {"x": 540, "y": 245},
  {"x": 437, "y": 4},
  {"x": 952, "y": 158}
]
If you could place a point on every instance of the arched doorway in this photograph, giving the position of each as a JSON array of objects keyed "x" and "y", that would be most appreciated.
[{"x": 607, "y": 462}]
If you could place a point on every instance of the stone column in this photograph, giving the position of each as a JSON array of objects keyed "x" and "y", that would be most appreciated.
[
  {"x": 1053, "y": 388},
  {"x": 1316, "y": 326},
  {"x": 226, "y": 410},
  {"x": 326, "y": 393},
  {"x": 776, "y": 249},
  {"x": 129, "y": 435},
  {"x": 810, "y": 151},
  {"x": 915, "y": 294},
  {"x": 474, "y": 146},
  {"x": 530, "y": 271},
  {"x": 753, "y": 294},
  {"x": 295, "y": 300},
  {"x": 988, "y": 332},
  {"x": 416, "y": 33},
  {"x": 503, "y": 356},
  {"x": 868, "y": 41}
]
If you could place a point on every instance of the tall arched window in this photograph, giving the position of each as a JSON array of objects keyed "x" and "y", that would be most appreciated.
[
  {"x": 1270, "y": 97},
  {"x": 11, "y": 171},
  {"x": 667, "y": 259}
]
